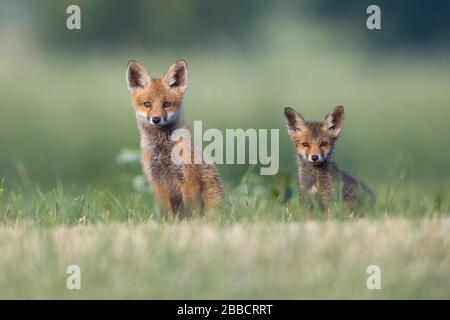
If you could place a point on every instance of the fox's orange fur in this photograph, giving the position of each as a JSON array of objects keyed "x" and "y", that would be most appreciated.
[
  {"x": 158, "y": 106},
  {"x": 319, "y": 178}
]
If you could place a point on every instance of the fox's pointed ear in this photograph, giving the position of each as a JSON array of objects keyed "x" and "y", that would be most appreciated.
[
  {"x": 333, "y": 121},
  {"x": 294, "y": 120},
  {"x": 137, "y": 76},
  {"x": 176, "y": 76}
]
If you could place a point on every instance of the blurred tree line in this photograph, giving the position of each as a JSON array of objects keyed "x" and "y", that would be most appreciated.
[
  {"x": 180, "y": 23},
  {"x": 405, "y": 23}
]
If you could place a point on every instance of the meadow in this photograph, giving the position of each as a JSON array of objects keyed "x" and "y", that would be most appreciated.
[
  {"x": 67, "y": 196},
  {"x": 257, "y": 248}
]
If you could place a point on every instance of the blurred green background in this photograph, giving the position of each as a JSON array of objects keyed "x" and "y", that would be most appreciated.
[{"x": 65, "y": 112}]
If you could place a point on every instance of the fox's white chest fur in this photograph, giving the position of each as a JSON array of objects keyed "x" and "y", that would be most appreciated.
[{"x": 313, "y": 189}]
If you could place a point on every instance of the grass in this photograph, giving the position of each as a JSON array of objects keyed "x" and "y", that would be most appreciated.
[
  {"x": 203, "y": 260},
  {"x": 248, "y": 202},
  {"x": 257, "y": 248}
]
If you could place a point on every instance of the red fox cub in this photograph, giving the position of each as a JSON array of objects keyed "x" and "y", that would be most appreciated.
[
  {"x": 158, "y": 106},
  {"x": 320, "y": 180}
]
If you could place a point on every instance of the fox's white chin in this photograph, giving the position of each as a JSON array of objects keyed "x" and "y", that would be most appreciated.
[
  {"x": 171, "y": 117},
  {"x": 150, "y": 122},
  {"x": 315, "y": 162},
  {"x": 319, "y": 160}
]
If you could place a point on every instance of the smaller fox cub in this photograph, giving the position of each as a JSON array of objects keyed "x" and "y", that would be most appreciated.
[
  {"x": 320, "y": 180},
  {"x": 179, "y": 188}
]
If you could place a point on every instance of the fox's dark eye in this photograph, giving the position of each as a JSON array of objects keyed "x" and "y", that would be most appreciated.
[
  {"x": 323, "y": 144},
  {"x": 167, "y": 104},
  {"x": 147, "y": 104},
  {"x": 305, "y": 144}
]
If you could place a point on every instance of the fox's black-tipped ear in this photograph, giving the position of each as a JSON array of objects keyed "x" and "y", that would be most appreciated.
[
  {"x": 176, "y": 76},
  {"x": 137, "y": 76},
  {"x": 333, "y": 121},
  {"x": 294, "y": 120}
]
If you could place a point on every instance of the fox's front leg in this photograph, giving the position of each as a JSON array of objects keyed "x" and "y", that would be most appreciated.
[
  {"x": 312, "y": 202},
  {"x": 163, "y": 201},
  {"x": 191, "y": 192},
  {"x": 306, "y": 202}
]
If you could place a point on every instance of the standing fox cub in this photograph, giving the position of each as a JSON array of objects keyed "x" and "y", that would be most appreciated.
[
  {"x": 318, "y": 176},
  {"x": 158, "y": 106}
]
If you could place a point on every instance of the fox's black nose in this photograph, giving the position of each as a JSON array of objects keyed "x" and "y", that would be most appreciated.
[
  {"x": 314, "y": 158},
  {"x": 156, "y": 120}
]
